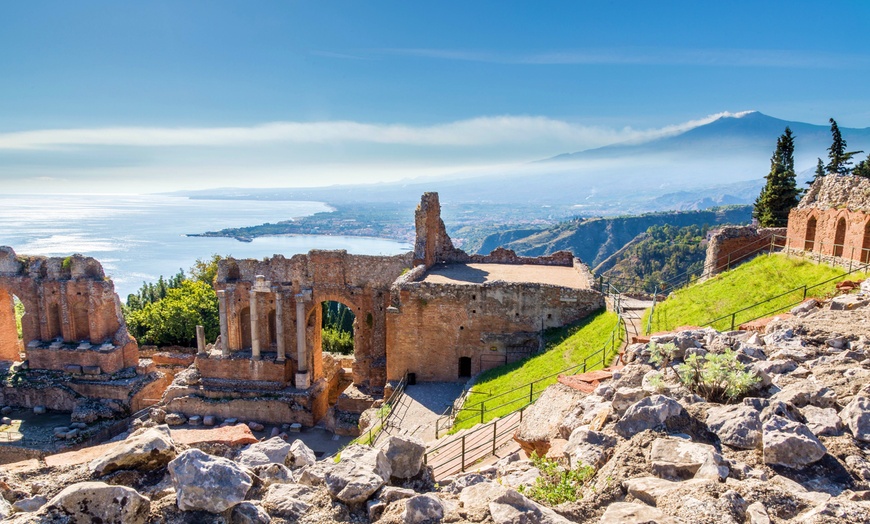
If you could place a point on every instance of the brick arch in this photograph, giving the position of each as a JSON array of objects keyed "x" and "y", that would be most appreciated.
[
  {"x": 839, "y": 240},
  {"x": 865, "y": 242}
]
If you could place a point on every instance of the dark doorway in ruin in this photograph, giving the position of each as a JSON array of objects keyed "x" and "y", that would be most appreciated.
[
  {"x": 54, "y": 322},
  {"x": 464, "y": 367},
  {"x": 810, "y": 238},
  {"x": 245, "y": 326},
  {"x": 839, "y": 237},
  {"x": 865, "y": 247},
  {"x": 80, "y": 325},
  {"x": 337, "y": 328}
]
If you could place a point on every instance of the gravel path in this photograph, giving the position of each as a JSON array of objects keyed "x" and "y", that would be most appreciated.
[{"x": 420, "y": 407}]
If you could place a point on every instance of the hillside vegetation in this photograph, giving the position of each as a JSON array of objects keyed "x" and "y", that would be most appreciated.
[
  {"x": 595, "y": 239},
  {"x": 762, "y": 278},
  {"x": 565, "y": 348},
  {"x": 657, "y": 256}
]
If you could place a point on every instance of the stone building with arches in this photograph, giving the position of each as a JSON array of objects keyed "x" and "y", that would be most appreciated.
[
  {"x": 833, "y": 219},
  {"x": 436, "y": 312}
]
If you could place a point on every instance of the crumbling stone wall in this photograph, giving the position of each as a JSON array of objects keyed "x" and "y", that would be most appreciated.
[
  {"x": 72, "y": 314},
  {"x": 732, "y": 245},
  {"x": 434, "y": 325},
  {"x": 833, "y": 219}
]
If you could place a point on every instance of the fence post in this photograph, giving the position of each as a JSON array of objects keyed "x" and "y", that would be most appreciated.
[
  {"x": 733, "y": 315},
  {"x": 494, "y": 433},
  {"x": 805, "y": 292},
  {"x": 482, "y": 410},
  {"x": 531, "y": 390},
  {"x": 463, "y": 454},
  {"x": 728, "y": 267},
  {"x": 437, "y": 420}
]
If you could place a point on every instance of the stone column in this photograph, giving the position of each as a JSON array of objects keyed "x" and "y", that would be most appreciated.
[
  {"x": 255, "y": 328},
  {"x": 200, "y": 340},
  {"x": 222, "y": 310},
  {"x": 302, "y": 379},
  {"x": 279, "y": 324}
]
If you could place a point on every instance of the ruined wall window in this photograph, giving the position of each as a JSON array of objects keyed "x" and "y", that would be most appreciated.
[
  {"x": 810, "y": 238},
  {"x": 338, "y": 326},
  {"x": 464, "y": 367},
  {"x": 245, "y": 326},
  {"x": 11, "y": 313},
  {"x": 54, "y": 321},
  {"x": 81, "y": 328},
  {"x": 865, "y": 247},
  {"x": 839, "y": 237},
  {"x": 273, "y": 332}
]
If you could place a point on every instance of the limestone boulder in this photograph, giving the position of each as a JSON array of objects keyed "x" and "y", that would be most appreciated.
[
  {"x": 588, "y": 447},
  {"x": 249, "y": 513},
  {"x": 146, "y": 451},
  {"x": 623, "y": 398},
  {"x": 423, "y": 509},
  {"x": 313, "y": 475},
  {"x": 589, "y": 408},
  {"x": 511, "y": 507},
  {"x": 680, "y": 459},
  {"x": 272, "y": 451},
  {"x": 405, "y": 454},
  {"x": 790, "y": 444},
  {"x": 633, "y": 513},
  {"x": 649, "y": 413},
  {"x": 273, "y": 474},
  {"x": 541, "y": 420},
  {"x": 30, "y": 504},
  {"x": 208, "y": 483},
  {"x": 289, "y": 501},
  {"x": 823, "y": 421},
  {"x": 476, "y": 498},
  {"x": 89, "y": 502},
  {"x": 352, "y": 482},
  {"x": 807, "y": 393},
  {"x": 372, "y": 458},
  {"x": 856, "y": 416},
  {"x": 5, "y": 508},
  {"x": 301, "y": 455},
  {"x": 737, "y": 426},
  {"x": 650, "y": 489}
]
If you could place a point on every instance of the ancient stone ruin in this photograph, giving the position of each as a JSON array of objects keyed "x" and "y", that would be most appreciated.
[
  {"x": 438, "y": 313},
  {"x": 74, "y": 349}
]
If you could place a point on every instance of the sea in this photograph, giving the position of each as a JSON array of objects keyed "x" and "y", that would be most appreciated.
[{"x": 137, "y": 238}]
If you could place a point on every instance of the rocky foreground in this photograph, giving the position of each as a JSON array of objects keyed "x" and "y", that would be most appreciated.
[{"x": 792, "y": 448}]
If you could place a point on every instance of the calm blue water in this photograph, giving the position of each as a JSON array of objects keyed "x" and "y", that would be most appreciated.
[{"x": 140, "y": 237}]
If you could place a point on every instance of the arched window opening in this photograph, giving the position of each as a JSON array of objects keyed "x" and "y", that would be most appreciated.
[
  {"x": 80, "y": 324},
  {"x": 464, "y": 367},
  {"x": 810, "y": 238},
  {"x": 839, "y": 237},
  {"x": 337, "y": 328},
  {"x": 273, "y": 329},
  {"x": 245, "y": 327},
  {"x": 865, "y": 247},
  {"x": 54, "y": 322}
]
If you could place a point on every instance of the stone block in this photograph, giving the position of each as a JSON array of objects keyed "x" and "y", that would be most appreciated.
[
  {"x": 91, "y": 370},
  {"x": 208, "y": 420},
  {"x": 73, "y": 369}
]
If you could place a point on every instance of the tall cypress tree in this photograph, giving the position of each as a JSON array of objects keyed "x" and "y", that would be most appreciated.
[
  {"x": 840, "y": 160},
  {"x": 863, "y": 168},
  {"x": 819, "y": 173},
  {"x": 780, "y": 194}
]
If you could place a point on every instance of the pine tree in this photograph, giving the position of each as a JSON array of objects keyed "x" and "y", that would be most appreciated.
[
  {"x": 863, "y": 168},
  {"x": 780, "y": 194},
  {"x": 840, "y": 160}
]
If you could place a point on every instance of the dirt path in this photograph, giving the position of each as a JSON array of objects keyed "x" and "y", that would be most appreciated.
[{"x": 632, "y": 312}]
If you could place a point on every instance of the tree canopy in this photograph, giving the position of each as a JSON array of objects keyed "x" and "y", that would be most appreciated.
[
  {"x": 780, "y": 193},
  {"x": 840, "y": 160}
]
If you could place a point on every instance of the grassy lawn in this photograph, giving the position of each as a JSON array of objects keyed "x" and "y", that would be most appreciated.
[
  {"x": 762, "y": 278},
  {"x": 565, "y": 347}
]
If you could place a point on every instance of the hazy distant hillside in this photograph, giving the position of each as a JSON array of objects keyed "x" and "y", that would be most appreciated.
[
  {"x": 720, "y": 163},
  {"x": 593, "y": 240}
]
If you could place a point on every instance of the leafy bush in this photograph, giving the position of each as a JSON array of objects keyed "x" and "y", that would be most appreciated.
[
  {"x": 336, "y": 341},
  {"x": 556, "y": 484},
  {"x": 19, "y": 314},
  {"x": 172, "y": 320},
  {"x": 718, "y": 377},
  {"x": 661, "y": 355}
]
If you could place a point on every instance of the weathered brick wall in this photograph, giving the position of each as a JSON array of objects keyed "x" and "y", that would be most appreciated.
[
  {"x": 833, "y": 219},
  {"x": 733, "y": 245},
  {"x": 435, "y": 325},
  {"x": 245, "y": 369},
  {"x": 68, "y": 299}
]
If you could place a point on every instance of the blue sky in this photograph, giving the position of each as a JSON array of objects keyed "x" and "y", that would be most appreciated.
[{"x": 165, "y": 94}]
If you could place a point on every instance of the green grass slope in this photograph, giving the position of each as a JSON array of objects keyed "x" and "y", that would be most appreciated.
[
  {"x": 496, "y": 390},
  {"x": 760, "y": 279}
]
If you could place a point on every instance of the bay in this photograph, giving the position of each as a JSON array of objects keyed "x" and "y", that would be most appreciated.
[{"x": 140, "y": 237}]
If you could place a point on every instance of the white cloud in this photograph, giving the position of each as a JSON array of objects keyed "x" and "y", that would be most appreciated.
[{"x": 475, "y": 132}]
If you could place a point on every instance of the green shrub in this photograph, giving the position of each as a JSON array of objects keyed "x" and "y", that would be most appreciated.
[
  {"x": 718, "y": 377},
  {"x": 336, "y": 341},
  {"x": 556, "y": 484}
]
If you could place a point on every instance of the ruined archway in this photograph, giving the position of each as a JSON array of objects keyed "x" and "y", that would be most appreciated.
[
  {"x": 12, "y": 312},
  {"x": 865, "y": 246},
  {"x": 337, "y": 328},
  {"x": 810, "y": 236},
  {"x": 839, "y": 237},
  {"x": 245, "y": 327}
]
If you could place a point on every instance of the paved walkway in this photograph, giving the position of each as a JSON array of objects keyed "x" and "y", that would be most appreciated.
[
  {"x": 420, "y": 407},
  {"x": 632, "y": 312}
]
